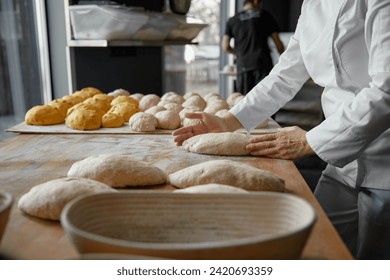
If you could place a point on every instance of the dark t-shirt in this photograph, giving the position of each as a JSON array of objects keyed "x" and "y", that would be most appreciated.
[{"x": 251, "y": 30}]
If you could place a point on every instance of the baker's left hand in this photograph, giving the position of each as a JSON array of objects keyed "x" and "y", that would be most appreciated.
[{"x": 286, "y": 143}]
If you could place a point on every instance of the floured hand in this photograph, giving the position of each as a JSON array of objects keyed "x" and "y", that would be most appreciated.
[{"x": 286, "y": 143}]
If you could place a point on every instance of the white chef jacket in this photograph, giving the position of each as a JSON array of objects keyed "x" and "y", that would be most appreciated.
[{"x": 344, "y": 46}]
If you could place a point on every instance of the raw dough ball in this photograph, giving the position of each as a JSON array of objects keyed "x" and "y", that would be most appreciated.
[
  {"x": 124, "y": 109},
  {"x": 168, "y": 119},
  {"x": 172, "y": 98},
  {"x": 226, "y": 143},
  {"x": 148, "y": 101},
  {"x": 168, "y": 94},
  {"x": 174, "y": 107},
  {"x": 137, "y": 96},
  {"x": 195, "y": 101},
  {"x": 118, "y": 170},
  {"x": 212, "y": 95},
  {"x": 155, "y": 109},
  {"x": 227, "y": 172},
  {"x": 216, "y": 105},
  {"x": 190, "y": 94},
  {"x": 211, "y": 188},
  {"x": 112, "y": 120},
  {"x": 142, "y": 121},
  {"x": 119, "y": 92},
  {"x": 187, "y": 110},
  {"x": 84, "y": 120},
  {"x": 47, "y": 200},
  {"x": 44, "y": 115},
  {"x": 232, "y": 97}
]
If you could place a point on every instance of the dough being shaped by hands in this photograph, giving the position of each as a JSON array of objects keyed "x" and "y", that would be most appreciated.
[
  {"x": 118, "y": 171},
  {"x": 227, "y": 172},
  {"x": 47, "y": 200},
  {"x": 226, "y": 143}
]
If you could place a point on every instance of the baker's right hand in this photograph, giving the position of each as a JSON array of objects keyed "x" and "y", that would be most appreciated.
[{"x": 208, "y": 123}]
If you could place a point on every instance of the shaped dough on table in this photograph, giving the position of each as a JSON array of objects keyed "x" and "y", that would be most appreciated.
[
  {"x": 47, "y": 200},
  {"x": 118, "y": 171},
  {"x": 227, "y": 172},
  {"x": 211, "y": 188},
  {"x": 226, "y": 143}
]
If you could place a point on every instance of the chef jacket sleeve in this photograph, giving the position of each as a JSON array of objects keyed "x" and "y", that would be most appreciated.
[
  {"x": 344, "y": 135},
  {"x": 274, "y": 91}
]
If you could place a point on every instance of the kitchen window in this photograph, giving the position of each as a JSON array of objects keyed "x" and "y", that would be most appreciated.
[{"x": 24, "y": 64}]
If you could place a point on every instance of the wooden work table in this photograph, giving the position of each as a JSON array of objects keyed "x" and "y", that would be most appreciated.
[{"x": 30, "y": 159}]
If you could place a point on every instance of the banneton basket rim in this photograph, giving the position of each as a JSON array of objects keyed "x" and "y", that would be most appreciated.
[
  {"x": 68, "y": 226},
  {"x": 6, "y": 202}
]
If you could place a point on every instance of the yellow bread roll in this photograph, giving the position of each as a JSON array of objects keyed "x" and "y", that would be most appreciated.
[
  {"x": 85, "y": 106},
  {"x": 61, "y": 104},
  {"x": 73, "y": 99},
  {"x": 112, "y": 120},
  {"x": 121, "y": 99},
  {"x": 124, "y": 109},
  {"x": 44, "y": 115},
  {"x": 103, "y": 105},
  {"x": 83, "y": 119}
]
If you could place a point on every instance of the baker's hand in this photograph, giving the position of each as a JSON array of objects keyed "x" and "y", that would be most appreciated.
[
  {"x": 208, "y": 123},
  {"x": 286, "y": 143}
]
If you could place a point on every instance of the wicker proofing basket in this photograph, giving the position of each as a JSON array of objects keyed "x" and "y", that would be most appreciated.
[
  {"x": 5, "y": 208},
  {"x": 190, "y": 226}
]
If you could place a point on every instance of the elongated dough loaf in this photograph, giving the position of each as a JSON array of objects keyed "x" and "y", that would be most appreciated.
[
  {"x": 227, "y": 172},
  {"x": 117, "y": 170},
  {"x": 227, "y": 143},
  {"x": 47, "y": 200},
  {"x": 211, "y": 188}
]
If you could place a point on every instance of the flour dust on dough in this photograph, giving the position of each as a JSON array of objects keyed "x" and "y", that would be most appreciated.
[
  {"x": 226, "y": 143},
  {"x": 227, "y": 172},
  {"x": 47, "y": 200},
  {"x": 211, "y": 188},
  {"x": 118, "y": 171}
]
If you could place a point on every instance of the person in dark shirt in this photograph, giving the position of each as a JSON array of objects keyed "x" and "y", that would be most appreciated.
[{"x": 250, "y": 30}]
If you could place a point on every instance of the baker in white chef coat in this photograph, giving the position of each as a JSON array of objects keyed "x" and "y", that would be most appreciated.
[{"x": 344, "y": 46}]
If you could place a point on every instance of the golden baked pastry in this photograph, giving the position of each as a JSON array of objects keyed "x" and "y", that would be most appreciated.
[
  {"x": 112, "y": 120},
  {"x": 124, "y": 109},
  {"x": 85, "y": 106},
  {"x": 44, "y": 115},
  {"x": 103, "y": 105},
  {"x": 121, "y": 99},
  {"x": 61, "y": 104},
  {"x": 83, "y": 119},
  {"x": 73, "y": 99}
]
